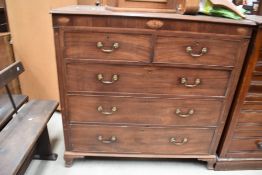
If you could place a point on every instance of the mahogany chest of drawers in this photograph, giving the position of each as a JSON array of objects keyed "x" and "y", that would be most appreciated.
[
  {"x": 149, "y": 85},
  {"x": 242, "y": 146}
]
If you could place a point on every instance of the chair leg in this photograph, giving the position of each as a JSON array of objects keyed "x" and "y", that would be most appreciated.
[{"x": 43, "y": 148}]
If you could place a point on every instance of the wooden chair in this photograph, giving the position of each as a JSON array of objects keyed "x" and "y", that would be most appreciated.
[{"x": 23, "y": 126}]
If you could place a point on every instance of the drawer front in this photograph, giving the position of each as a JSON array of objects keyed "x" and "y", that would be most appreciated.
[
  {"x": 248, "y": 144},
  {"x": 253, "y": 98},
  {"x": 257, "y": 77},
  {"x": 140, "y": 140},
  {"x": 251, "y": 117},
  {"x": 255, "y": 87},
  {"x": 242, "y": 133},
  {"x": 196, "y": 51},
  {"x": 258, "y": 68},
  {"x": 248, "y": 127},
  {"x": 107, "y": 46},
  {"x": 260, "y": 55},
  {"x": 252, "y": 106},
  {"x": 146, "y": 79},
  {"x": 154, "y": 111}
]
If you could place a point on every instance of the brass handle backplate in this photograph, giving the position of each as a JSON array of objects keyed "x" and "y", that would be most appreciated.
[
  {"x": 189, "y": 50},
  {"x": 259, "y": 145},
  {"x": 184, "y": 81},
  {"x": 107, "y": 141},
  {"x": 100, "y": 77},
  {"x": 100, "y": 45},
  {"x": 178, "y": 143},
  {"x": 183, "y": 115},
  {"x": 101, "y": 110}
]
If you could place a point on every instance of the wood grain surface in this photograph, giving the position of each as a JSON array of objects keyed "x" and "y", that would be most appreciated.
[
  {"x": 243, "y": 133},
  {"x": 132, "y": 47},
  {"x": 146, "y": 80},
  {"x": 147, "y": 111},
  {"x": 17, "y": 132},
  {"x": 140, "y": 140}
]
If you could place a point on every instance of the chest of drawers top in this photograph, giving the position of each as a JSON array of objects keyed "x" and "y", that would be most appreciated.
[{"x": 92, "y": 16}]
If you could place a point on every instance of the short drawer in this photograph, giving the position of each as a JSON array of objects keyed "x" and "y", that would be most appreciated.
[
  {"x": 140, "y": 140},
  {"x": 257, "y": 77},
  {"x": 248, "y": 127},
  {"x": 247, "y": 144},
  {"x": 255, "y": 87},
  {"x": 260, "y": 55},
  {"x": 180, "y": 50},
  {"x": 254, "y": 98},
  {"x": 107, "y": 46},
  {"x": 258, "y": 68},
  {"x": 146, "y": 79},
  {"x": 149, "y": 111},
  {"x": 243, "y": 133},
  {"x": 252, "y": 106},
  {"x": 250, "y": 117}
]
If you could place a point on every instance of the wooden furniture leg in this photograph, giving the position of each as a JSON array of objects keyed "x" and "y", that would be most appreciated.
[
  {"x": 69, "y": 158},
  {"x": 43, "y": 149},
  {"x": 69, "y": 162},
  {"x": 210, "y": 163}
]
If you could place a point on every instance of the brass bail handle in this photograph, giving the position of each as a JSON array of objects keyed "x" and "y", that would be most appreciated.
[
  {"x": 203, "y": 51},
  {"x": 101, "y": 110},
  {"x": 100, "y": 77},
  {"x": 100, "y": 46},
  {"x": 178, "y": 143},
  {"x": 107, "y": 141},
  {"x": 185, "y": 115},
  {"x": 184, "y": 81}
]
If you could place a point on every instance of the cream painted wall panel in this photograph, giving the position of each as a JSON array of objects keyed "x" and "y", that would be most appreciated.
[{"x": 31, "y": 29}]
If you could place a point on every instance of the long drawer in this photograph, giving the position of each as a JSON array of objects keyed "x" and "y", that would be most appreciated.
[
  {"x": 151, "y": 111},
  {"x": 146, "y": 79},
  {"x": 140, "y": 140}
]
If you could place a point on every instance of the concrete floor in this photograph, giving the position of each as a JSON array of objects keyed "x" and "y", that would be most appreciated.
[{"x": 95, "y": 166}]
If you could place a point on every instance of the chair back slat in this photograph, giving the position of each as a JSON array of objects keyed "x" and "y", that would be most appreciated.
[{"x": 11, "y": 72}]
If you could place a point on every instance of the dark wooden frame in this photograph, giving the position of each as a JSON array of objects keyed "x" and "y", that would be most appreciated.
[{"x": 242, "y": 160}]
